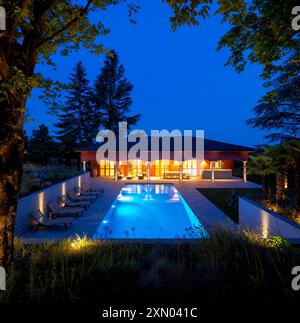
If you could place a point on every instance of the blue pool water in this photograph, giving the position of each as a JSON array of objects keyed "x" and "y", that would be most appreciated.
[{"x": 150, "y": 211}]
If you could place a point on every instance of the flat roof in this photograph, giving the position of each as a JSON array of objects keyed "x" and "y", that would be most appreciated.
[{"x": 209, "y": 145}]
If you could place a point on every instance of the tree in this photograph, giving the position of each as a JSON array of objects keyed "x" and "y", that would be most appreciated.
[
  {"x": 293, "y": 149},
  {"x": 35, "y": 31},
  {"x": 78, "y": 123},
  {"x": 277, "y": 160},
  {"x": 279, "y": 109},
  {"x": 112, "y": 94},
  {"x": 281, "y": 162},
  {"x": 41, "y": 146},
  {"x": 261, "y": 164},
  {"x": 260, "y": 31}
]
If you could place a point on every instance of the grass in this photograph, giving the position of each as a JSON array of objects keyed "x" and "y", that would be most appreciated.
[
  {"x": 213, "y": 270},
  {"x": 37, "y": 177},
  {"x": 226, "y": 199}
]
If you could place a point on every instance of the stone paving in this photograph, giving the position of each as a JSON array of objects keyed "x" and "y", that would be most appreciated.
[{"x": 208, "y": 214}]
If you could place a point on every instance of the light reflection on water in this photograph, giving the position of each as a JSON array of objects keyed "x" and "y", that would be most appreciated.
[{"x": 150, "y": 211}]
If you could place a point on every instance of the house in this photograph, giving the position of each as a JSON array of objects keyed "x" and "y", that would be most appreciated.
[{"x": 217, "y": 162}]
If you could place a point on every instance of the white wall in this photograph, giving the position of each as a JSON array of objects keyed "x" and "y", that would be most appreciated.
[
  {"x": 40, "y": 200},
  {"x": 266, "y": 222}
]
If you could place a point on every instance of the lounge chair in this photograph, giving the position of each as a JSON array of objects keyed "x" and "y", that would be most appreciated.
[
  {"x": 80, "y": 198},
  {"x": 67, "y": 202},
  {"x": 141, "y": 176},
  {"x": 83, "y": 193},
  {"x": 89, "y": 188},
  {"x": 59, "y": 211},
  {"x": 43, "y": 220}
]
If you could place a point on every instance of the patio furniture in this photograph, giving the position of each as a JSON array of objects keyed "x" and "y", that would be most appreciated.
[
  {"x": 171, "y": 174},
  {"x": 219, "y": 174},
  {"x": 129, "y": 177},
  {"x": 59, "y": 211},
  {"x": 83, "y": 193},
  {"x": 186, "y": 175},
  {"x": 89, "y": 188},
  {"x": 141, "y": 176},
  {"x": 79, "y": 198},
  {"x": 43, "y": 220},
  {"x": 120, "y": 176},
  {"x": 176, "y": 175},
  {"x": 67, "y": 202}
]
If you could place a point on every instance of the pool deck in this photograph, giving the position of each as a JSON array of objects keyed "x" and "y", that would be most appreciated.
[{"x": 208, "y": 214}]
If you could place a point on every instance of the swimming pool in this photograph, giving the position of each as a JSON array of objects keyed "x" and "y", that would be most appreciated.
[{"x": 150, "y": 211}]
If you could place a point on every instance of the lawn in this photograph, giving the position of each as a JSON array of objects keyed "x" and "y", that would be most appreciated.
[
  {"x": 226, "y": 199},
  {"x": 212, "y": 271}
]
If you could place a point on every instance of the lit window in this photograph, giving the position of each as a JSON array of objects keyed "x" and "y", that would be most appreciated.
[{"x": 190, "y": 166}]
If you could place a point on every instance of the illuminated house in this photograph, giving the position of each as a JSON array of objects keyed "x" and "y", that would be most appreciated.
[{"x": 217, "y": 163}]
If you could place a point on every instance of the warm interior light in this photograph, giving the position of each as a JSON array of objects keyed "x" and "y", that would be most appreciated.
[{"x": 79, "y": 181}]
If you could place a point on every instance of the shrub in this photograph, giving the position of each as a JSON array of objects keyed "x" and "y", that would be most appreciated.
[{"x": 217, "y": 269}]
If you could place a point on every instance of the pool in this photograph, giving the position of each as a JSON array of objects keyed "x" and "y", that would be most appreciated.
[{"x": 150, "y": 211}]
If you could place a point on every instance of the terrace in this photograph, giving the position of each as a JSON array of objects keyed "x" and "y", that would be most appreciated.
[{"x": 208, "y": 214}]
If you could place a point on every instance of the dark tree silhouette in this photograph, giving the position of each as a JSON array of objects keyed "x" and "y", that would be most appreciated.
[
  {"x": 279, "y": 109},
  {"x": 41, "y": 147},
  {"x": 112, "y": 95},
  {"x": 78, "y": 123}
]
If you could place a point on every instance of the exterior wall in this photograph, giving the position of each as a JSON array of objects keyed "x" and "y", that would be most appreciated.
[
  {"x": 152, "y": 170},
  {"x": 88, "y": 155},
  {"x": 201, "y": 165},
  {"x": 208, "y": 156},
  {"x": 40, "y": 200},
  {"x": 228, "y": 164},
  {"x": 95, "y": 167},
  {"x": 266, "y": 222},
  {"x": 226, "y": 155}
]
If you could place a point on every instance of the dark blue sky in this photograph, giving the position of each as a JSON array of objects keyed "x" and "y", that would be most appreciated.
[{"x": 180, "y": 81}]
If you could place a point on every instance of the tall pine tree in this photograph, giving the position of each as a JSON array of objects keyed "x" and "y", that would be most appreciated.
[
  {"x": 279, "y": 110},
  {"x": 112, "y": 94},
  {"x": 77, "y": 123}
]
